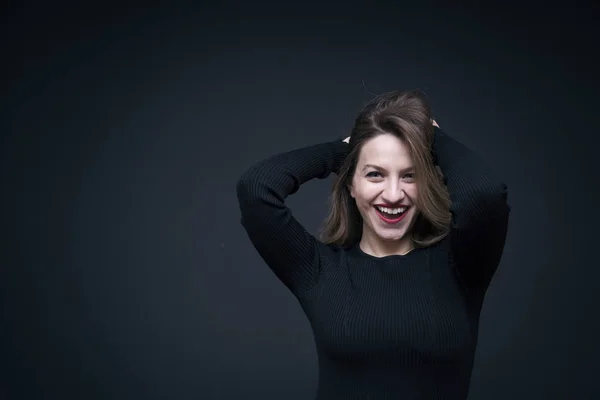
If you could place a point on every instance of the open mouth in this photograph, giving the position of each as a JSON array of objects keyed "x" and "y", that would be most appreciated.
[{"x": 391, "y": 215}]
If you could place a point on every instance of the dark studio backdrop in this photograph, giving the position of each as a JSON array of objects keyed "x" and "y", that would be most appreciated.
[{"x": 126, "y": 272}]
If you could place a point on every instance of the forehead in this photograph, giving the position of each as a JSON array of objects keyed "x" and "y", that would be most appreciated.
[{"x": 386, "y": 151}]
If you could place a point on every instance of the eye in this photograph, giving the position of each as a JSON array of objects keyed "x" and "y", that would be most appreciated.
[
  {"x": 410, "y": 175},
  {"x": 373, "y": 174}
]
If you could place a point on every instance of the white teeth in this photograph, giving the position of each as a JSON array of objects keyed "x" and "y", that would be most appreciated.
[{"x": 392, "y": 210}]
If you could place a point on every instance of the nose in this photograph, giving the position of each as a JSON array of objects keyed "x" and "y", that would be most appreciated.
[{"x": 393, "y": 193}]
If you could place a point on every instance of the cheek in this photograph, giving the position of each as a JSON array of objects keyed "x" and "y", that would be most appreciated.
[
  {"x": 364, "y": 194},
  {"x": 353, "y": 187},
  {"x": 412, "y": 192}
]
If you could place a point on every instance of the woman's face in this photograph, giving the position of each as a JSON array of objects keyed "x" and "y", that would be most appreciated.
[{"x": 385, "y": 189}]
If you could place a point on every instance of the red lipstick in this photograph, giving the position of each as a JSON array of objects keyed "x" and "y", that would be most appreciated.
[{"x": 391, "y": 220}]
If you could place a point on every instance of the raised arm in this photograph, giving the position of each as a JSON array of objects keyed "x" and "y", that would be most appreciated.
[
  {"x": 479, "y": 210},
  {"x": 288, "y": 249}
]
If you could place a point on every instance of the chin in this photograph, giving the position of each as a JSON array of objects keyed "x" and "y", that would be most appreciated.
[
  {"x": 392, "y": 234},
  {"x": 392, "y": 237}
]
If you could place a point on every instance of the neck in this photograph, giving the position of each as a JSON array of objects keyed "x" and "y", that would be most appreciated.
[{"x": 379, "y": 248}]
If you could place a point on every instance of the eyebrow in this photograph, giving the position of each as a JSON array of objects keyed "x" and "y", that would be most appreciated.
[{"x": 381, "y": 168}]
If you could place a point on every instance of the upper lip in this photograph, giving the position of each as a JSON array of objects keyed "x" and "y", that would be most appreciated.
[{"x": 390, "y": 206}]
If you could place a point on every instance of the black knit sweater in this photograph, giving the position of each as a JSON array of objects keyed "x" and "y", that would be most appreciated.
[{"x": 395, "y": 327}]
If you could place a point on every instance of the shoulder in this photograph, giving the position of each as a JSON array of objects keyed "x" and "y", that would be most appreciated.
[{"x": 330, "y": 250}]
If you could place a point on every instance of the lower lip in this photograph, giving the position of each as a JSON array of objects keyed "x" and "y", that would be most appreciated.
[{"x": 391, "y": 221}]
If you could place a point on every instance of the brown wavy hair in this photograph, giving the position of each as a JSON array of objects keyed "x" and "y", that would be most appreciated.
[{"x": 406, "y": 115}]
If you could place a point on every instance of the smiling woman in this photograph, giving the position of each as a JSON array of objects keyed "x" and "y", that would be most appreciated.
[
  {"x": 388, "y": 163},
  {"x": 394, "y": 288},
  {"x": 384, "y": 193}
]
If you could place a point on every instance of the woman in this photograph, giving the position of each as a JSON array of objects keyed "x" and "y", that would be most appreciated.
[{"x": 394, "y": 287}]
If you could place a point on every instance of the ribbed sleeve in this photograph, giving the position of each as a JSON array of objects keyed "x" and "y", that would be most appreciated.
[
  {"x": 480, "y": 211},
  {"x": 288, "y": 249}
]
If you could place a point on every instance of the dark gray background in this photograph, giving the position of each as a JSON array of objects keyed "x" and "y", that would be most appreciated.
[{"x": 128, "y": 274}]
